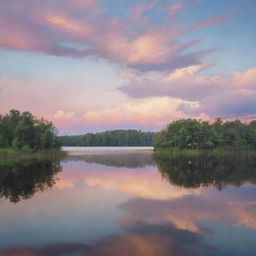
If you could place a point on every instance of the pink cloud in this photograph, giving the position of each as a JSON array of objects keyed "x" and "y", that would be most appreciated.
[
  {"x": 180, "y": 94},
  {"x": 75, "y": 28},
  {"x": 245, "y": 79},
  {"x": 140, "y": 10},
  {"x": 182, "y": 83},
  {"x": 141, "y": 113},
  {"x": 174, "y": 8},
  {"x": 47, "y": 27},
  {"x": 40, "y": 97},
  {"x": 128, "y": 73},
  {"x": 228, "y": 104},
  {"x": 131, "y": 113},
  {"x": 212, "y": 21},
  {"x": 228, "y": 94}
]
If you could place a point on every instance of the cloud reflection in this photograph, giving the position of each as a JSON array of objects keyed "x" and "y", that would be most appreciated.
[
  {"x": 189, "y": 211},
  {"x": 140, "y": 239}
]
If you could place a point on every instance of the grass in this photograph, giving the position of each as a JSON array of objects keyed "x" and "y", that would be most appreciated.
[
  {"x": 179, "y": 152},
  {"x": 219, "y": 152},
  {"x": 14, "y": 153}
]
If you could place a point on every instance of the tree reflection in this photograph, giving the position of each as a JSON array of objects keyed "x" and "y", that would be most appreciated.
[
  {"x": 21, "y": 179},
  {"x": 207, "y": 170}
]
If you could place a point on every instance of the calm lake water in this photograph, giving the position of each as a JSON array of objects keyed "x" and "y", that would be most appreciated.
[{"x": 126, "y": 201}]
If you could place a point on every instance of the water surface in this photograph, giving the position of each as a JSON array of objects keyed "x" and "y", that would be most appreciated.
[{"x": 126, "y": 201}]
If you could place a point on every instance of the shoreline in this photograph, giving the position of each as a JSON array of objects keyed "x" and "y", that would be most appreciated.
[
  {"x": 201, "y": 152},
  {"x": 10, "y": 153},
  {"x": 71, "y": 150}
]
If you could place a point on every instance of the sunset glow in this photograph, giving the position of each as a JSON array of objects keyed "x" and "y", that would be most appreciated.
[{"x": 96, "y": 65}]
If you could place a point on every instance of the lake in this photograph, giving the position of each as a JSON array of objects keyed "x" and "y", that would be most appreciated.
[{"x": 128, "y": 201}]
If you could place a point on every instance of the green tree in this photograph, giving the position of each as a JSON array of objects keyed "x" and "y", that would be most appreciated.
[
  {"x": 23, "y": 130},
  {"x": 197, "y": 134}
]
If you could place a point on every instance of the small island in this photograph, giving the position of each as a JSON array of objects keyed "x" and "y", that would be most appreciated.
[
  {"x": 22, "y": 134},
  {"x": 192, "y": 135}
]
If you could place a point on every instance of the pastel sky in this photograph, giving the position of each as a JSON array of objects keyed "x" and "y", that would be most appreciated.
[{"x": 92, "y": 65}]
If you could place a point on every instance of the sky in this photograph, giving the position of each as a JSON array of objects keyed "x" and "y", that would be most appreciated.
[{"x": 95, "y": 65}]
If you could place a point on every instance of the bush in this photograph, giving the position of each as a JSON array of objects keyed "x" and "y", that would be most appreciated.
[{"x": 26, "y": 149}]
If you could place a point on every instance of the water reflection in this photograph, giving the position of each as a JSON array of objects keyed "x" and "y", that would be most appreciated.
[
  {"x": 196, "y": 213},
  {"x": 139, "y": 239},
  {"x": 207, "y": 170},
  {"x": 117, "y": 159},
  {"x": 132, "y": 204},
  {"x": 21, "y": 179}
]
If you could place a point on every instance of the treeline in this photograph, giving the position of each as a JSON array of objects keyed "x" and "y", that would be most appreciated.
[
  {"x": 21, "y": 131},
  {"x": 110, "y": 138},
  {"x": 194, "y": 134}
]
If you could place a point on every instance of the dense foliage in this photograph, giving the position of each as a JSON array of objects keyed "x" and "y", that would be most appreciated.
[
  {"x": 194, "y": 134},
  {"x": 23, "y": 131},
  {"x": 110, "y": 138}
]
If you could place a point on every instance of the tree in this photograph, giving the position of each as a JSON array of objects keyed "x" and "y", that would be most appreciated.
[
  {"x": 197, "y": 134},
  {"x": 23, "y": 130}
]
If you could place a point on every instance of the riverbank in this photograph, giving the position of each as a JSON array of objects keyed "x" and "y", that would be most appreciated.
[
  {"x": 6, "y": 153},
  {"x": 175, "y": 152}
]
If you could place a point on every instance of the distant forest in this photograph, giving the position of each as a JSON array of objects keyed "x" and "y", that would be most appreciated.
[
  {"x": 110, "y": 138},
  {"x": 196, "y": 134}
]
